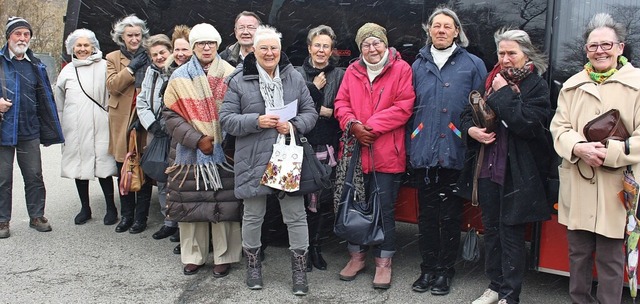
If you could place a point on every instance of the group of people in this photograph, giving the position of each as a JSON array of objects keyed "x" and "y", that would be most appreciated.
[{"x": 214, "y": 107}]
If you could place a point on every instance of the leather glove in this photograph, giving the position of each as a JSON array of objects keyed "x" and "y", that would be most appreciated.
[
  {"x": 363, "y": 134},
  {"x": 156, "y": 129},
  {"x": 205, "y": 144},
  {"x": 140, "y": 60}
]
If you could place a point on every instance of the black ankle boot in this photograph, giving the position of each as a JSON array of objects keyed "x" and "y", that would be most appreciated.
[
  {"x": 315, "y": 255},
  {"x": 84, "y": 215}
]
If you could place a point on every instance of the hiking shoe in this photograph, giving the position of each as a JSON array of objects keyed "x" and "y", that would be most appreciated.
[
  {"x": 40, "y": 223},
  {"x": 4, "y": 230}
]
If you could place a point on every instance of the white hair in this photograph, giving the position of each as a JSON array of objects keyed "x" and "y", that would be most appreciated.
[
  {"x": 81, "y": 33},
  {"x": 129, "y": 21},
  {"x": 522, "y": 39},
  {"x": 266, "y": 32}
]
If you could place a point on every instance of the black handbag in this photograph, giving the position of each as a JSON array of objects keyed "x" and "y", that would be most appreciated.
[
  {"x": 359, "y": 220},
  {"x": 315, "y": 175},
  {"x": 154, "y": 159}
]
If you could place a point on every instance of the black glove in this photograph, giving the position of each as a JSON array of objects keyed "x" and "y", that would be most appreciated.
[
  {"x": 156, "y": 129},
  {"x": 141, "y": 59}
]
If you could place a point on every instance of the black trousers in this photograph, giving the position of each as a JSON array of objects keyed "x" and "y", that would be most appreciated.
[
  {"x": 439, "y": 220},
  {"x": 505, "y": 251},
  {"x": 136, "y": 204}
]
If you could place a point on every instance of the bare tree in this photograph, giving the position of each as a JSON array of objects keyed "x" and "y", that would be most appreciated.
[
  {"x": 529, "y": 10},
  {"x": 45, "y": 17}
]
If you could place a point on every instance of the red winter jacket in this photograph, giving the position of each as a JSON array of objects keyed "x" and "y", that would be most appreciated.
[{"x": 385, "y": 105}]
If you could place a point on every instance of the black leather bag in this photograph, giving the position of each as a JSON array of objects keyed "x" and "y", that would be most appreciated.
[
  {"x": 359, "y": 220},
  {"x": 154, "y": 159},
  {"x": 315, "y": 175}
]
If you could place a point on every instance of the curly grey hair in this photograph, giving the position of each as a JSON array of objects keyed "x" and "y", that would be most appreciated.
[
  {"x": 120, "y": 25},
  {"x": 605, "y": 20},
  {"x": 522, "y": 38},
  {"x": 461, "y": 40},
  {"x": 266, "y": 32},
  {"x": 81, "y": 33}
]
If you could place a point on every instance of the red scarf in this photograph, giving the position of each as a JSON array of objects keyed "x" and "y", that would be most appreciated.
[{"x": 513, "y": 76}]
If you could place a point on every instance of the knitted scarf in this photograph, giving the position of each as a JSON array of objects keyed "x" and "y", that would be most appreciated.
[
  {"x": 601, "y": 77},
  {"x": 197, "y": 98},
  {"x": 271, "y": 89}
]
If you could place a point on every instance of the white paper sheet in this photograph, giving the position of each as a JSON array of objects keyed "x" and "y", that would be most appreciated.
[{"x": 286, "y": 112}]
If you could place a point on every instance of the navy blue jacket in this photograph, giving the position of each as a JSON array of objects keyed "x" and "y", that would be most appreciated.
[
  {"x": 441, "y": 95},
  {"x": 50, "y": 130}
]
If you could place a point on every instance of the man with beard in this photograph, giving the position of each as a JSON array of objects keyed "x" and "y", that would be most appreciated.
[
  {"x": 28, "y": 118},
  {"x": 245, "y": 26}
]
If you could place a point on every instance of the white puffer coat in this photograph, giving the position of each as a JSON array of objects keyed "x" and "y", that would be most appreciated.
[{"x": 84, "y": 124}]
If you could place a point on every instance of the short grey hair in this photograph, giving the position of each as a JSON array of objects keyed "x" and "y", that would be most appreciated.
[
  {"x": 128, "y": 21},
  {"x": 321, "y": 30},
  {"x": 266, "y": 32},
  {"x": 159, "y": 39},
  {"x": 605, "y": 20},
  {"x": 81, "y": 33},
  {"x": 461, "y": 40},
  {"x": 522, "y": 39}
]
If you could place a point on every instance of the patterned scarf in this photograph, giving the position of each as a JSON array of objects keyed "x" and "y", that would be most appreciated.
[
  {"x": 512, "y": 75},
  {"x": 197, "y": 98},
  {"x": 271, "y": 89},
  {"x": 601, "y": 77},
  {"x": 349, "y": 143}
]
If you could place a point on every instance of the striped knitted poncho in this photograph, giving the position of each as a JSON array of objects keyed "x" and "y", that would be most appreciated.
[{"x": 197, "y": 98}]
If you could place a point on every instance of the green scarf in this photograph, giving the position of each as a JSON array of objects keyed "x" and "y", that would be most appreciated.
[{"x": 601, "y": 77}]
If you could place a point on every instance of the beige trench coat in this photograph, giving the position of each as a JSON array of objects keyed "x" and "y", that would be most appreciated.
[
  {"x": 593, "y": 205},
  {"x": 120, "y": 84}
]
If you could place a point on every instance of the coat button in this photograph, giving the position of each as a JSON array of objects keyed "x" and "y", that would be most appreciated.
[
  {"x": 442, "y": 135},
  {"x": 453, "y": 62},
  {"x": 597, "y": 112},
  {"x": 444, "y": 110},
  {"x": 446, "y": 84}
]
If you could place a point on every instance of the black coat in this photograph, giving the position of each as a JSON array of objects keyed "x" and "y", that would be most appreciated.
[{"x": 530, "y": 150}]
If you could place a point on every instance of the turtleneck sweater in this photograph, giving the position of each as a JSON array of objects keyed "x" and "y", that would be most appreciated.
[
  {"x": 440, "y": 57},
  {"x": 373, "y": 70}
]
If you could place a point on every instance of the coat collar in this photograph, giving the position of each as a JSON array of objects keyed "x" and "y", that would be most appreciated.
[{"x": 627, "y": 76}]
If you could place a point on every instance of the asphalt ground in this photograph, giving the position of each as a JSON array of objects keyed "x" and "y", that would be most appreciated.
[{"x": 93, "y": 264}]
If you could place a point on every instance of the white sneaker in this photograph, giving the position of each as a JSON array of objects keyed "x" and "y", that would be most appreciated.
[
  {"x": 503, "y": 301},
  {"x": 488, "y": 297}
]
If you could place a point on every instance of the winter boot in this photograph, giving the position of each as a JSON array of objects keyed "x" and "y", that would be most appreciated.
[
  {"x": 382, "y": 279},
  {"x": 107, "y": 189},
  {"x": 315, "y": 255},
  {"x": 84, "y": 215},
  {"x": 354, "y": 266},
  {"x": 299, "y": 274},
  {"x": 254, "y": 268}
]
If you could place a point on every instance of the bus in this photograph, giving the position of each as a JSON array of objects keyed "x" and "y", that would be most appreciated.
[{"x": 555, "y": 26}]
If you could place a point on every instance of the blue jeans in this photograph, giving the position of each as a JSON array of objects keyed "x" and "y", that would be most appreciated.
[
  {"x": 30, "y": 163},
  {"x": 389, "y": 184}
]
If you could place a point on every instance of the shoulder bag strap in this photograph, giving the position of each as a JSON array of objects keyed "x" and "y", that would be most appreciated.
[{"x": 85, "y": 93}]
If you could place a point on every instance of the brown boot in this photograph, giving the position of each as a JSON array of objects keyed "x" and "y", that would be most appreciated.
[
  {"x": 382, "y": 279},
  {"x": 354, "y": 266}
]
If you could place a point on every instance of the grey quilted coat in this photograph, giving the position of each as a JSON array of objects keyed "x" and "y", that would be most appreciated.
[{"x": 239, "y": 113}]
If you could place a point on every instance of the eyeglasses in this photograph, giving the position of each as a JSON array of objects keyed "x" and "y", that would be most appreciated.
[
  {"x": 202, "y": 44},
  {"x": 249, "y": 28},
  {"x": 375, "y": 45},
  {"x": 605, "y": 46}
]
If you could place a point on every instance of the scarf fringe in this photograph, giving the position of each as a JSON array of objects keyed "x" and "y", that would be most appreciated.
[{"x": 207, "y": 172}]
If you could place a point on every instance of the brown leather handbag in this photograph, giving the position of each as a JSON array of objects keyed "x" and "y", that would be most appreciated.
[
  {"x": 131, "y": 175},
  {"x": 606, "y": 126},
  {"x": 601, "y": 129},
  {"x": 483, "y": 115}
]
